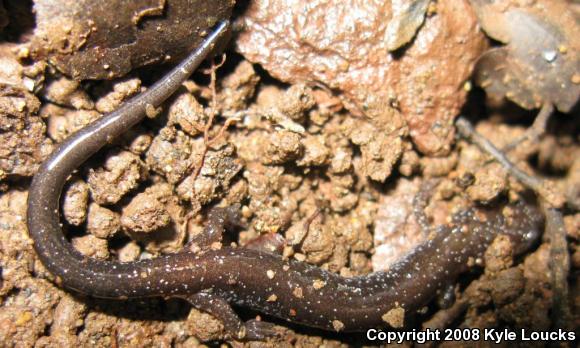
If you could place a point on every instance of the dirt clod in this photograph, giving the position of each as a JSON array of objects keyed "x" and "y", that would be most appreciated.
[
  {"x": 102, "y": 222},
  {"x": 121, "y": 173},
  {"x": 348, "y": 51},
  {"x": 76, "y": 199}
]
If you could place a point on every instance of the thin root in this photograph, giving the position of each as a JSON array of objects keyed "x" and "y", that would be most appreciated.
[
  {"x": 537, "y": 129},
  {"x": 207, "y": 140},
  {"x": 560, "y": 267},
  {"x": 555, "y": 230},
  {"x": 543, "y": 188}
]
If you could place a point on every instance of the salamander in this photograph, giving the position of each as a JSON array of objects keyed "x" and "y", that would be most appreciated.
[{"x": 213, "y": 280}]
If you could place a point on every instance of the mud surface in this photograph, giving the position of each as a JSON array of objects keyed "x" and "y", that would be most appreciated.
[{"x": 338, "y": 143}]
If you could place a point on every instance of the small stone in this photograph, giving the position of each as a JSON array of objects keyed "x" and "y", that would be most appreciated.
[
  {"x": 337, "y": 325},
  {"x": 550, "y": 55},
  {"x": 318, "y": 284},
  {"x": 298, "y": 293},
  {"x": 395, "y": 317},
  {"x": 23, "y": 318}
]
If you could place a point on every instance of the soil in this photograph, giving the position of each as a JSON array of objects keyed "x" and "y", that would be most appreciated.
[{"x": 313, "y": 151}]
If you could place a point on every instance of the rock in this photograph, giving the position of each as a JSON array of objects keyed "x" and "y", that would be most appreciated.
[{"x": 343, "y": 45}]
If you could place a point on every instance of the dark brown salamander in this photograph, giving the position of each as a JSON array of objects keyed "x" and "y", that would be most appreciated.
[{"x": 214, "y": 279}]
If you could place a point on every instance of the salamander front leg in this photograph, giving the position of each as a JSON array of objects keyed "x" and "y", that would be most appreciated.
[
  {"x": 218, "y": 221},
  {"x": 252, "y": 330}
]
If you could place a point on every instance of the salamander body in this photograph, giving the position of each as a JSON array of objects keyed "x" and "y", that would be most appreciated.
[{"x": 212, "y": 280}]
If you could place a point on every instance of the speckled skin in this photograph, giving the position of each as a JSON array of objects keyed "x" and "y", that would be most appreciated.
[{"x": 291, "y": 290}]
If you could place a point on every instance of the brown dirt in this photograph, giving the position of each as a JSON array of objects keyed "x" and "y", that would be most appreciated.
[
  {"x": 296, "y": 149},
  {"x": 348, "y": 51}
]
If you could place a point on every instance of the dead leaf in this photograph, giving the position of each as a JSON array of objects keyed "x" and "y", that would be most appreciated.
[
  {"x": 91, "y": 39},
  {"x": 407, "y": 18},
  {"x": 539, "y": 62}
]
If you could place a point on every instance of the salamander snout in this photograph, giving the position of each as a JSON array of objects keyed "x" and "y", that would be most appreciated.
[{"x": 527, "y": 224}]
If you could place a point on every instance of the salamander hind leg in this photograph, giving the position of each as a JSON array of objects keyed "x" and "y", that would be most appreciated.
[
  {"x": 272, "y": 243},
  {"x": 251, "y": 330},
  {"x": 420, "y": 203}
]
